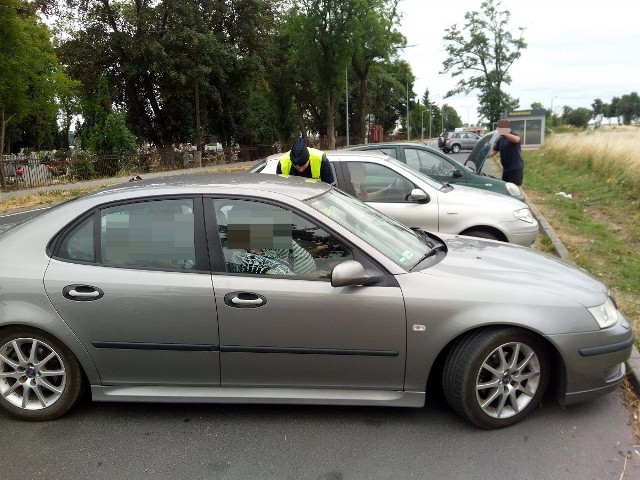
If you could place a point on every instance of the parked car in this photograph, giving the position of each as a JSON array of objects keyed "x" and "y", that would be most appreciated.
[
  {"x": 443, "y": 168},
  {"x": 417, "y": 200},
  {"x": 456, "y": 141},
  {"x": 138, "y": 294}
]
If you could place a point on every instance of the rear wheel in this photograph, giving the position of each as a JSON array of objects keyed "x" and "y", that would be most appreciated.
[
  {"x": 455, "y": 148},
  {"x": 40, "y": 379},
  {"x": 495, "y": 377}
]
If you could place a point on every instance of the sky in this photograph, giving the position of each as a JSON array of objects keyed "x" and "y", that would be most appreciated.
[{"x": 576, "y": 51}]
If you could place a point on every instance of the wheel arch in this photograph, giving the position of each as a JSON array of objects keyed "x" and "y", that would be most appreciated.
[
  {"x": 485, "y": 228},
  {"x": 71, "y": 342},
  {"x": 557, "y": 370}
]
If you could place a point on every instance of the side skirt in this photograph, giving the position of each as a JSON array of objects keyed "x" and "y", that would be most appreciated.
[{"x": 256, "y": 395}]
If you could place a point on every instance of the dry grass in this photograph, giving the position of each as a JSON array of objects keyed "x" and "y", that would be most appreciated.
[
  {"x": 43, "y": 198},
  {"x": 51, "y": 197},
  {"x": 611, "y": 152}
]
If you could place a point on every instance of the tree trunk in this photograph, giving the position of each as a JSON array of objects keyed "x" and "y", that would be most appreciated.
[
  {"x": 166, "y": 156},
  {"x": 362, "y": 108},
  {"x": 331, "y": 125},
  {"x": 303, "y": 126},
  {"x": 3, "y": 179}
]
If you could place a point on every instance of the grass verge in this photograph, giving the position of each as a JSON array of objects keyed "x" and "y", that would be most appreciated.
[{"x": 597, "y": 220}]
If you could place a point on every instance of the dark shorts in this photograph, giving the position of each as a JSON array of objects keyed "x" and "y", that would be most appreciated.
[{"x": 514, "y": 176}]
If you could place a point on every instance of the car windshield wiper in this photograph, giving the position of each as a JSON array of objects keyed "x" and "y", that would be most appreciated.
[
  {"x": 446, "y": 186},
  {"x": 433, "y": 250}
]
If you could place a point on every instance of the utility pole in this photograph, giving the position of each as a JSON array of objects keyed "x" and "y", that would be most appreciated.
[
  {"x": 408, "y": 128},
  {"x": 346, "y": 96}
]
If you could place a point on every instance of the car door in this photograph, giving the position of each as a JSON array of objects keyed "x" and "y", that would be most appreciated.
[
  {"x": 389, "y": 191},
  {"x": 133, "y": 282},
  {"x": 282, "y": 324}
]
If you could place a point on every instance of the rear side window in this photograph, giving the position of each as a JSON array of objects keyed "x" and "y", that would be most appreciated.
[{"x": 157, "y": 234}]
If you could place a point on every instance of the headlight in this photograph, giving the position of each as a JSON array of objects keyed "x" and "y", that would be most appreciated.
[
  {"x": 605, "y": 314},
  {"x": 523, "y": 214},
  {"x": 513, "y": 189}
]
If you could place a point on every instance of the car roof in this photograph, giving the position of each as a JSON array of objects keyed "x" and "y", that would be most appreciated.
[
  {"x": 219, "y": 183},
  {"x": 343, "y": 154}
]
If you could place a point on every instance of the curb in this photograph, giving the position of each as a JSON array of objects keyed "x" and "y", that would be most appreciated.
[{"x": 633, "y": 364}]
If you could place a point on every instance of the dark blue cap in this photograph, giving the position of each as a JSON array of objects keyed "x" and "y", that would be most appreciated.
[{"x": 299, "y": 153}]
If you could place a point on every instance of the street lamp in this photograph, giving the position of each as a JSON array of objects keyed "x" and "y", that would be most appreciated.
[{"x": 468, "y": 118}]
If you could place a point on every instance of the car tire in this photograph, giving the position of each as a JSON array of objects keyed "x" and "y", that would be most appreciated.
[
  {"x": 494, "y": 377},
  {"x": 40, "y": 379},
  {"x": 482, "y": 234},
  {"x": 455, "y": 148}
]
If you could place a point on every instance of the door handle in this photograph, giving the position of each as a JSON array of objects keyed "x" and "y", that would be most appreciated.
[
  {"x": 244, "y": 299},
  {"x": 240, "y": 301},
  {"x": 82, "y": 292},
  {"x": 75, "y": 293}
]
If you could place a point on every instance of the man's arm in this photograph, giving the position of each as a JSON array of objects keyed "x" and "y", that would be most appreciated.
[
  {"x": 326, "y": 174},
  {"x": 513, "y": 137},
  {"x": 278, "y": 169}
]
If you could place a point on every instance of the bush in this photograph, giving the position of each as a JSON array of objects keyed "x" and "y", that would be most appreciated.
[{"x": 81, "y": 167}]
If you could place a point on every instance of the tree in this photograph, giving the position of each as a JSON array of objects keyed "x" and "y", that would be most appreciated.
[
  {"x": 482, "y": 56},
  {"x": 578, "y": 117},
  {"x": 388, "y": 93},
  {"x": 109, "y": 134},
  {"x": 158, "y": 54},
  {"x": 28, "y": 65},
  {"x": 629, "y": 108},
  {"x": 319, "y": 32},
  {"x": 373, "y": 39}
]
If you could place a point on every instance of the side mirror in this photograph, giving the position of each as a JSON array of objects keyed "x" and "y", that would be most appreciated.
[
  {"x": 470, "y": 165},
  {"x": 457, "y": 174},
  {"x": 348, "y": 273},
  {"x": 419, "y": 196}
]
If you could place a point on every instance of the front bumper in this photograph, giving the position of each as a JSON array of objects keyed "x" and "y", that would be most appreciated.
[
  {"x": 521, "y": 233},
  {"x": 594, "y": 362}
]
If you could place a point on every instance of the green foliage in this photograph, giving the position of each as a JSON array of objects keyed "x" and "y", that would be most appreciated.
[
  {"x": 154, "y": 53},
  {"x": 578, "y": 117},
  {"x": 481, "y": 54},
  {"x": 28, "y": 67},
  {"x": 81, "y": 166},
  {"x": 112, "y": 136}
]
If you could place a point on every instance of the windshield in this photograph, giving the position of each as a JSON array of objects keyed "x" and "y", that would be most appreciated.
[{"x": 399, "y": 243}]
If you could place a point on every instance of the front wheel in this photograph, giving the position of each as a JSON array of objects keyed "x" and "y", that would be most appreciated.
[
  {"x": 482, "y": 234},
  {"x": 40, "y": 379},
  {"x": 495, "y": 377}
]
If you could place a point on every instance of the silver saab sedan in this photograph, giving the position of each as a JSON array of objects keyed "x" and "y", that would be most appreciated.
[
  {"x": 255, "y": 289},
  {"x": 417, "y": 200}
]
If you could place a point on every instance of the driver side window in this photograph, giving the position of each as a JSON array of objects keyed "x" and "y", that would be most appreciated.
[
  {"x": 262, "y": 239},
  {"x": 371, "y": 182}
]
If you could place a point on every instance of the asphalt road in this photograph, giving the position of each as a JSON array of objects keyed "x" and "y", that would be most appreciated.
[
  {"x": 116, "y": 441},
  {"x": 126, "y": 440}
]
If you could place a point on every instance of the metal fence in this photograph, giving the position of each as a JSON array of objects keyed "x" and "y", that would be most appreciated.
[{"x": 22, "y": 172}]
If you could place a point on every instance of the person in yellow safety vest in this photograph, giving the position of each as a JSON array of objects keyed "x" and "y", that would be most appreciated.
[{"x": 302, "y": 161}]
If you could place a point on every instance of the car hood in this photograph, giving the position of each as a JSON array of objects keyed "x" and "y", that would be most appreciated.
[
  {"x": 479, "y": 153},
  {"x": 498, "y": 266}
]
